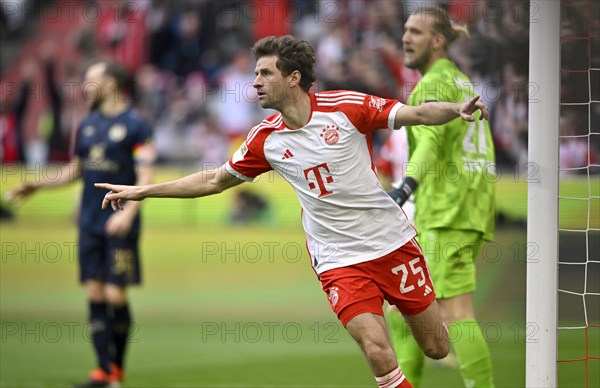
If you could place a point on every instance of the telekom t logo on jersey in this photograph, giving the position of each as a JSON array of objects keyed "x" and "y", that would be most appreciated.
[{"x": 316, "y": 172}]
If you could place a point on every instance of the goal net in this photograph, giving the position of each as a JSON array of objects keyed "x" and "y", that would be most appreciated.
[{"x": 579, "y": 196}]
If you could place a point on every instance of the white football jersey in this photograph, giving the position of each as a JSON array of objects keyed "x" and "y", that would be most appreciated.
[{"x": 347, "y": 216}]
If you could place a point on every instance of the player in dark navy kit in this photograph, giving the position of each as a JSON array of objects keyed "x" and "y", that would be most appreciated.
[{"x": 113, "y": 144}]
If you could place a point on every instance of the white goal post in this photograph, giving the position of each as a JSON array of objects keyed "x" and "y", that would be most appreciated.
[{"x": 542, "y": 202}]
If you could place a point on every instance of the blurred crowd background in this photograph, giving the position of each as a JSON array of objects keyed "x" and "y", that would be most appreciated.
[{"x": 193, "y": 68}]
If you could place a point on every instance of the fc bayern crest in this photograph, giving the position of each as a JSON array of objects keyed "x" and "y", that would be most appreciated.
[
  {"x": 333, "y": 296},
  {"x": 330, "y": 134}
]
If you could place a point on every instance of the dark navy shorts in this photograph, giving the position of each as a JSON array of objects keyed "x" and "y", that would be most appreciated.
[{"x": 113, "y": 260}]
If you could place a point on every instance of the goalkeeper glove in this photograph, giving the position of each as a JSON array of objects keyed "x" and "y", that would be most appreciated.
[{"x": 401, "y": 194}]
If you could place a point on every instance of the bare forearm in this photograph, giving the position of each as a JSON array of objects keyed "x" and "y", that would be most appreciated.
[
  {"x": 200, "y": 184},
  {"x": 186, "y": 187},
  {"x": 67, "y": 173},
  {"x": 437, "y": 113}
]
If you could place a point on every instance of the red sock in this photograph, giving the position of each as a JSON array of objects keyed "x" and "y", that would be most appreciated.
[{"x": 393, "y": 379}]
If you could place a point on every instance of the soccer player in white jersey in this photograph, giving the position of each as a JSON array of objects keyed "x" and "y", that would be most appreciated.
[{"x": 361, "y": 246}]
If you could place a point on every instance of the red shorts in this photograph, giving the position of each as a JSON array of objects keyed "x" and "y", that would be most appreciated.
[{"x": 401, "y": 277}]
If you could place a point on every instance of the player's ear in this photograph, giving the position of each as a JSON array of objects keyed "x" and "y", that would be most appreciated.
[
  {"x": 295, "y": 78},
  {"x": 439, "y": 41},
  {"x": 111, "y": 83}
]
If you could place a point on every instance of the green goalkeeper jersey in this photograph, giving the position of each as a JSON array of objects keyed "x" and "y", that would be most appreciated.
[{"x": 454, "y": 163}]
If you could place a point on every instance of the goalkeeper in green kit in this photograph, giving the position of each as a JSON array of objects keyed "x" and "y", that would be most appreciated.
[{"x": 451, "y": 171}]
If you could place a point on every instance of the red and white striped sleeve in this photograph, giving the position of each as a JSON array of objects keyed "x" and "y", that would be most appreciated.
[
  {"x": 367, "y": 112},
  {"x": 249, "y": 160}
]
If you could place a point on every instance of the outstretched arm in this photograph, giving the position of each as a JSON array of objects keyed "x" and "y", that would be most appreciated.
[
  {"x": 437, "y": 113},
  {"x": 200, "y": 184},
  {"x": 68, "y": 172}
]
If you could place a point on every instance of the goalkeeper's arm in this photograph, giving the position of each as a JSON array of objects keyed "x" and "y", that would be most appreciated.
[
  {"x": 424, "y": 156},
  {"x": 402, "y": 193}
]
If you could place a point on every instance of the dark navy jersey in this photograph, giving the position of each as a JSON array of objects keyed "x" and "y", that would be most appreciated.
[{"x": 107, "y": 147}]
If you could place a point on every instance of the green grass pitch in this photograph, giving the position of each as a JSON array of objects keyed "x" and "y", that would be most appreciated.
[{"x": 224, "y": 306}]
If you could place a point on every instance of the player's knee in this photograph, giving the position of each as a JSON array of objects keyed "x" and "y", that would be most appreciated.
[
  {"x": 115, "y": 295},
  {"x": 94, "y": 291},
  {"x": 377, "y": 351},
  {"x": 438, "y": 349}
]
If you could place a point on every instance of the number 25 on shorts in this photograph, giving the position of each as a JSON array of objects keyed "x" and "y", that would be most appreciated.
[{"x": 415, "y": 270}]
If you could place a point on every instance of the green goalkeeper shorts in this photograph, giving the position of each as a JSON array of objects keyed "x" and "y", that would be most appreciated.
[{"x": 450, "y": 256}]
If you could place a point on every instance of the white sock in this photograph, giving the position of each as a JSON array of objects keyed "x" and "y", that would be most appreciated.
[{"x": 392, "y": 379}]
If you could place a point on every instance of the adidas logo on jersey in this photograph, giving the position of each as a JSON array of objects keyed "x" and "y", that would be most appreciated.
[
  {"x": 287, "y": 154},
  {"x": 427, "y": 290}
]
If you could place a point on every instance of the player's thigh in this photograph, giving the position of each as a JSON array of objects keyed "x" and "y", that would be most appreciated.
[
  {"x": 351, "y": 292},
  {"x": 429, "y": 331},
  {"x": 403, "y": 277},
  {"x": 94, "y": 290},
  {"x": 451, "y": 258},
  {"x": 115, "y": 295},
  {"x": 122, "y": 261},
  {"x": 369, "y": 328}
]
